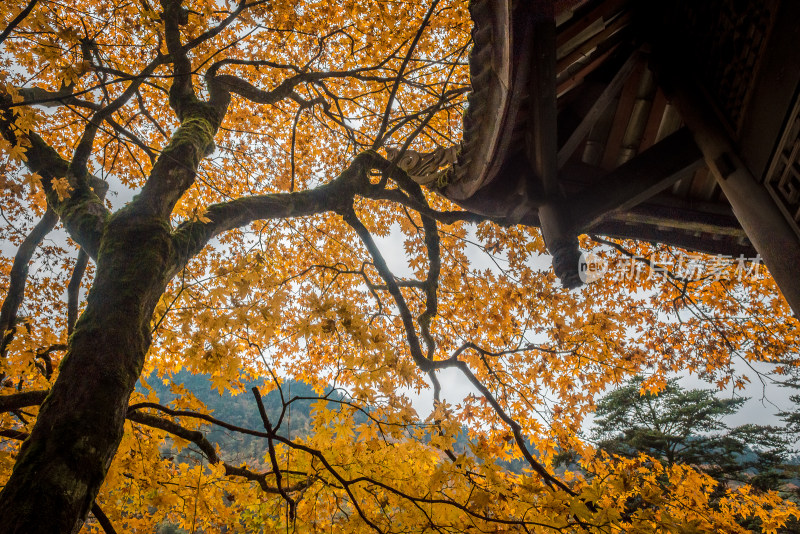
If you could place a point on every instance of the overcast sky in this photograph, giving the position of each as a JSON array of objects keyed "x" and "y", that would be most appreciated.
[{"x": 765, "y": 400}]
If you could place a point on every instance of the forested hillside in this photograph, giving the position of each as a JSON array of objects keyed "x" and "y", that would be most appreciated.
[{"x": 241, "y": 410}]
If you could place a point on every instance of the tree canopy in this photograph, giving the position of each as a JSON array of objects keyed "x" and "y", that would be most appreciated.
[{"x": 221, "y": 171}]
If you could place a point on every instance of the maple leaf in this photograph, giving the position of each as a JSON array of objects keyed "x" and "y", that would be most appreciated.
[
  {"x": 62, "y": 188},
  {"x": 254, "y": 233},
  {"x": 18, "y": 152}
]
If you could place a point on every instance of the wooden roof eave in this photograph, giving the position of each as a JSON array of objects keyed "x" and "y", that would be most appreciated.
[
  {"x": 494, "y": 173},
  {"x": 499, "y": 81}
]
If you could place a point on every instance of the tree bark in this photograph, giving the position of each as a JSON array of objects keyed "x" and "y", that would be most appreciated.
[{"x": 61, "y": 466}]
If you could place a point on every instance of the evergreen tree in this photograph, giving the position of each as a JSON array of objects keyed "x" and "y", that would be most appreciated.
[{"x": 679, "y": 426}]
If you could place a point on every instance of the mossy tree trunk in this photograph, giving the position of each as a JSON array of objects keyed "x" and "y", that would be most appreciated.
[{"x": 63, "y": 463}]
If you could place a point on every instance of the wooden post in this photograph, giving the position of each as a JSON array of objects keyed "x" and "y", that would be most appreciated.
[
  {"x": 761, "y": 219},
  {"x": 542, "y": 147}
]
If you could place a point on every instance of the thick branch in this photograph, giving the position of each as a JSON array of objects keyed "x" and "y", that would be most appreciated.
[
  {"x": 175, "y": 169},
  {"x": 191, "y": 236},
  {"x": 182, "y": 92},
  {"x": 82, "y": 213},
  {"x": 36, "y": 96},
  {"x": 196, "y": 415},
  {"x": 444, "y": 217},
  {"x": 432, "y": 245},
  {"x": 243, "y": 88},
  {"x": 19, "y": 18},
  {"x": 13, "y": 434},
  {"x": 25, "y": 399},
  {"x": 221, "y": 86}
]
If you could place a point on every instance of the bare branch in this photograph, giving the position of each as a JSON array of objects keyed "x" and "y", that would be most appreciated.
[
  {"x": 102, "y": 518},
  {"x": 273, "y": 458},
  {"x": 350, "y": 217},
  {"x": 379, "y": 137},
  {"x": 77, "y": 167},
  {"x": 16, "y": 21},
  {"x": 35, "y": 398},
  {"x": 19, "y": 277}
]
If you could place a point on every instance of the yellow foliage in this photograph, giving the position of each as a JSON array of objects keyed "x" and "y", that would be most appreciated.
[{"x": 298, "y": 293}]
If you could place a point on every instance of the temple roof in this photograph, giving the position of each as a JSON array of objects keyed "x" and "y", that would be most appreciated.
[{"x": 626, "y": 165}]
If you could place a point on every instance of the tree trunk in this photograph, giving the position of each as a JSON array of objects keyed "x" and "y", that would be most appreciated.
[{"x": 61, "y": 466}]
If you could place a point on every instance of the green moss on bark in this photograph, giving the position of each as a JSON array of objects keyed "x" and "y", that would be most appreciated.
[{"x": 62, "y": 465}]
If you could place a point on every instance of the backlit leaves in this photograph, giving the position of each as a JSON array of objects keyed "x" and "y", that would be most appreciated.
[{"x": 304, "y": 298}]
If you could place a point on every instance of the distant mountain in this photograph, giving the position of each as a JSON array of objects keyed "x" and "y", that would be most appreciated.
[{"x": 241, "y": 410}]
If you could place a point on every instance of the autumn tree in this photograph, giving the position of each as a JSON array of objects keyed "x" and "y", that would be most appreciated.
[
  {"x": 221, "y": 172},
  {"x": 680, "y": 426}
]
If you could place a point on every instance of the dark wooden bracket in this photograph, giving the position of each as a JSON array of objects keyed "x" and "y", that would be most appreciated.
[{"x": 639, "y": 179}]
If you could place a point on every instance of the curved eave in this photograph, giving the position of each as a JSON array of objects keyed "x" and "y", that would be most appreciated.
[{"x": 491, "y": 103}]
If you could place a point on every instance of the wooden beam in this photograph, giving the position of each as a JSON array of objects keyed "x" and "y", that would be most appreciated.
[
  {"x": 622, "y": 117},
  {"x": 728, "y": 246},
  {"x": 542, "y": 145},
  {"x": 644, "y": 176},
  {"x": 768, "y": 230},
  {"x": 541, "y": 142},
  {"x": 596, "y": 111},
  {"x": 690, "y": 221},
  {"x": 597, "y": 59},
  {"x": 585, "y": 17},
  {"x": 650, "y": 136},
  {"x": 592, "y": 43}
]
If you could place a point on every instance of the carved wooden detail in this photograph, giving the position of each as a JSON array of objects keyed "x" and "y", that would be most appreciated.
[
  {"x": 783, "y": 177},
  {"x": 493, "y": 105},
  {"x": 426, "y": 168},
  {"x": 727, "y": 39}
]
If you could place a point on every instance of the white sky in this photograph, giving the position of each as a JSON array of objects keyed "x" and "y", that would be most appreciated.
[{"x": 765, "y": 400}]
